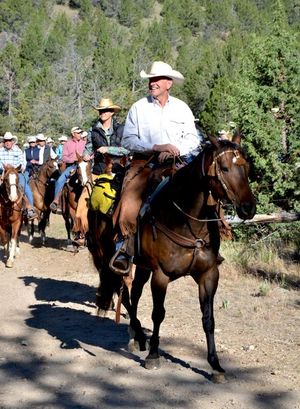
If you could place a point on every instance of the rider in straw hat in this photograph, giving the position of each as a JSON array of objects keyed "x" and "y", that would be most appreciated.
[
  {"x": 104, "y": 139},
  {"x": 159, "y": 126}
]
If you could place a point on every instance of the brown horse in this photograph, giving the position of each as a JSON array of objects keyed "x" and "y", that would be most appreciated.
[
  {"x": 71, "y": 194},
  {"x": 11, "y": 212},
  {"x": 43, "y": 193},
  {"x": 179, "y": 236}
]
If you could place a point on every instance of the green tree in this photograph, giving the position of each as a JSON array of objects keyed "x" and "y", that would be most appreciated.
[{"x": 266, "y": 103}]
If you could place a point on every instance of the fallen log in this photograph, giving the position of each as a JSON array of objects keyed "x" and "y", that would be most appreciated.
[{"x": 282, "y": 217}]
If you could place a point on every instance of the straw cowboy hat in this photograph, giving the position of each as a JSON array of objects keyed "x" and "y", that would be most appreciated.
[
  {"x": 49, "y": 140},
  {"x": 161, "y": 69},
  {"x": 106, "y": 103},
  {"x": 8, "y": 136}
]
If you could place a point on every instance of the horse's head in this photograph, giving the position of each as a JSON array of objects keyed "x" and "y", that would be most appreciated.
[
  {"x": 51, "y": 167},
  {"x": 84, "y": 171},
  {"x": 227, "y": 167},
  {"x": 10, "y": 182}
]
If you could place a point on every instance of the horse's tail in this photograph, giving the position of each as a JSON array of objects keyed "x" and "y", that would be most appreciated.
[{"x": 102, "y": 247}]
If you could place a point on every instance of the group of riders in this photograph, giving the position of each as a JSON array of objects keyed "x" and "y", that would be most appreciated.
[{"x": 158, "y": 129}]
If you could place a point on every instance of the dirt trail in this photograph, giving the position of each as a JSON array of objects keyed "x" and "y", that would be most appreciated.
[{"x": 55, "y": 352}]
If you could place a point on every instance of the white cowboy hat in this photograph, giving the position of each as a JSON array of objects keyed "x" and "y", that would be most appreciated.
[
  {"x": 40, "y": 137},
  {"x": 8, "y": 136},
  {"x": 49, "y": 140},
  {"x": 106, "y": 103},
  {"x": 76, "y": 129},
  {"x": 63, "y": 138},
  {"x": 161, "y": 69},
  {"x": 31, "y": 139},
  {"x": 223, "y": 132},
  {"x": 84, "y": 134}
]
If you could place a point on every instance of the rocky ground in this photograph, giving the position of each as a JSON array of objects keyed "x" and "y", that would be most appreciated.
[{"x": 56, "y": 353}]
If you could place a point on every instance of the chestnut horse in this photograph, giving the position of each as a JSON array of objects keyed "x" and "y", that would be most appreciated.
[
  {"x": 71, "y": 193},
  {"x": 179, "y": 236},
  {"x": 11, "y": 212},
  {"x": 43, "y": 193}
]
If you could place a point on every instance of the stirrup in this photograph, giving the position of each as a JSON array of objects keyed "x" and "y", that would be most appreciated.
[{"x": 114, "y": 268}]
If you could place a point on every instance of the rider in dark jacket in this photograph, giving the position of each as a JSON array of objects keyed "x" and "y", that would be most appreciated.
[{"x": 110, "y": 142}]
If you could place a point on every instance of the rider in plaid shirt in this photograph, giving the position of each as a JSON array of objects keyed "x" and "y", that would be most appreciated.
[{"x": 11, "y": 154}]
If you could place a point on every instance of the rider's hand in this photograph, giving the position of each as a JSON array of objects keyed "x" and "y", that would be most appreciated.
[
  {"x": 167, "y": 147},
  {"x": 103, "y": 149},
  {"x": 164, "y": 156},
  {"x": 86, "y": 158}
]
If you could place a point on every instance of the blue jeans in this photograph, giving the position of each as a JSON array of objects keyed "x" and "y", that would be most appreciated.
[
  {"x": 59, "y": 184},
  {"x": 26, "y": 188}
]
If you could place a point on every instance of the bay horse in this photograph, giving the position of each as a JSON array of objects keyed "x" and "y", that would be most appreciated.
[
  {"x": 71, "y": 194},
  {"x": 179, "y": 236},
  {"x": 43, "y": 194},
  {"x": 11, "y": 212}
]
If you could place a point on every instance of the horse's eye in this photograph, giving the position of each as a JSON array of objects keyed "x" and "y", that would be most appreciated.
[{"x": 224, "y": 169}]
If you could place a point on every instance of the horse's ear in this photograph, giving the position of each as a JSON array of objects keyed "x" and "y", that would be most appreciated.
[
  {"x": 18, "y": 169},
  {"x": 237, "y": 137},
  {"x": 213, "y": 140},
  {"x": 123, "y": 161},
  {"x": 108, "y": 163}
]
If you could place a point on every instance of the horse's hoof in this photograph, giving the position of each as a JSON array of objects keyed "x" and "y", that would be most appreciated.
[
  {"x": 152, "y": 363},
  {"x": 133, "y": 346},
  {"x": 9, "y": 263},
  {"x": 71, "y": 248},
  {"x": 218, "y": 377}
]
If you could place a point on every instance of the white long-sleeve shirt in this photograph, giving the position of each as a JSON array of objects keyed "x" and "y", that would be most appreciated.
[{"x": 148, "y": 123}]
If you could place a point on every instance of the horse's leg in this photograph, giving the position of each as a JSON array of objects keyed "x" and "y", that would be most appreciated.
[
  {"x": 137, "y": 336},
  {"x": 159, "y": 284},
  {"x": 11, "y": 253},
  {"x": 42, "y": 225},
  {"x": 30, "y": 230},
  {"x": 207, "y": 285}
]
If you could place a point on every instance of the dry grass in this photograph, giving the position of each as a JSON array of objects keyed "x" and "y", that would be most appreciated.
[{"x": 268, "y": 262}]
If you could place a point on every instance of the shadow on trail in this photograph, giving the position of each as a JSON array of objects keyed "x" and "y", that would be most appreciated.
[
  {"x": 51, "y": 290},
  {"x": 51, "y": 242},
  {"x": 72, "y": 327},
  {"x": 176, "y": 385}
]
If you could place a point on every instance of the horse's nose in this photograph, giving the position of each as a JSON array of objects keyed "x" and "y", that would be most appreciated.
[{"x": 247, "y": 210}]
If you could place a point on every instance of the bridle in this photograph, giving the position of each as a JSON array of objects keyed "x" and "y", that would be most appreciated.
[
  {"x": 214, "y": 170},
  {"x": 5, "y": 198}
]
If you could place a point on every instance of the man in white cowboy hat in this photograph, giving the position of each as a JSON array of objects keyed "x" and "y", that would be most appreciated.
[
  {"x": 11, "y": 154},
  {"x": 45, "y": 151},
  {"x": 103, "y": 139},
  {"x": 159, "y": 125},
  {"x": 71, "y": 148}
]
